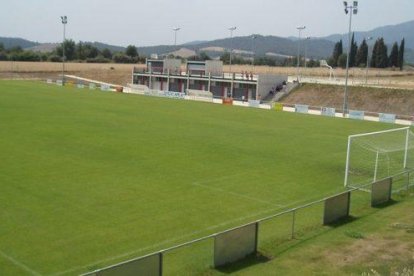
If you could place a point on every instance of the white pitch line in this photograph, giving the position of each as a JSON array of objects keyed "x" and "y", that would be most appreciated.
[
  {"x": 162, "y": 243},
  {"x": 236, "y": 194},
  {"x": 19, "y": 264},
  {"x": 220, "y": 178},
  {"x": 277, "y": 207}
]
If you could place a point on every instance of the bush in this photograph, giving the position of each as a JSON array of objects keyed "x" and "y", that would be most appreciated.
[
  {"x": 3, "y": 56},
  {"x": 98, "y": 59},
  {"x": 342, "y": 61},
  {"x": 122, "y": 58},
  {"x": 55, "y": 58}
]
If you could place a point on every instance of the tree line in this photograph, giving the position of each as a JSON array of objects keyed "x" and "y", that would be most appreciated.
[
  {"x": 269, "y": 61},
  {"x": 83, "y": 52},
  {"x": 86, "y": 52},
  {"x": 359, "y": 56}
]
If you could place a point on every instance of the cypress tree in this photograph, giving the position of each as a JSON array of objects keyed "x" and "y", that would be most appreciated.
[
  {"x": 338, "y": 50},
  {"x": 382, "y": 55},
  {"x": 401, "y": 54},
  {"x": 360, "y": 59},
  {"x": 374, "y": 56},
  {"x": 393, "y": 58},
  {"x": 353, "y": 52},
  {"x": 362, "y": 54}
]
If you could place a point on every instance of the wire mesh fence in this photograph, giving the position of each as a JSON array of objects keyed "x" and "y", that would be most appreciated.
[
  {"x": 189, "y": 260},
  {"x": 269, "y": 235}
]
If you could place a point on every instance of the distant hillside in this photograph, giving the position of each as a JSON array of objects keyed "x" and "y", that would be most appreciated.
[
  {"x": 49, "y": 47},
  {"x": 102, "y": 46},
  {"x": 194, "y": 42},
  {"x": 409, "y": 56},
  {"x": 43, "y": 48},
  {"x": 316, "y": 48},
  {"x": 390, "y": 34},
  {"x": 10, "y": 42}
]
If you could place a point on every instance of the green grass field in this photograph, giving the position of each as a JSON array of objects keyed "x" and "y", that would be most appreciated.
[{"x": 91, "y": 178}]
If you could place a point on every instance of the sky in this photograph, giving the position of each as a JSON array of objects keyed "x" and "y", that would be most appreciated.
[{"x": 150, "y": 22}]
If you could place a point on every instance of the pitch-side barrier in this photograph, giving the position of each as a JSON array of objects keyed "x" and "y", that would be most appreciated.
[
  {"x": 298, "y": 108},
  {"x": 220, "y": 249}
]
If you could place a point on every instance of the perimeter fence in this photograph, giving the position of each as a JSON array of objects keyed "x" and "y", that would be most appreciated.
[
  {"x": 268, "y": 105},
  {"x": 248, "y": 243}
]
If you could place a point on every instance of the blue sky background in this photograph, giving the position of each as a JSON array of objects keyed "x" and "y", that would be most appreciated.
[{"x": 150, "y": 22}]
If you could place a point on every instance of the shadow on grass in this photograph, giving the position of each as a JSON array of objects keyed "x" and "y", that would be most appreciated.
[
  {"x": 251, "y": 260},
  {"x": 385, "y": 204},
  {"x": 342, "y": 221}
]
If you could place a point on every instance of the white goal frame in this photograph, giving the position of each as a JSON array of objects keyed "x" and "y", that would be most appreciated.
[{"x": 407, "y": 129}]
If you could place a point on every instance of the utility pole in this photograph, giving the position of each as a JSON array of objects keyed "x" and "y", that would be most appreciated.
[
  {"x": 300, "y": 29},
  {"x": 366, "y": 70},
  {"x": 351, "y": 9},
  {"x": 175, "y": 35},
  {"x": 64, "y": 22},
  {"x": 231, "y": 43}
]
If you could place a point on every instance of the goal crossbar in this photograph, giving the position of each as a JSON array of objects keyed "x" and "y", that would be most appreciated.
[
  {"x": 404, "y": 148},
  {"x": 377, "y": 132}
]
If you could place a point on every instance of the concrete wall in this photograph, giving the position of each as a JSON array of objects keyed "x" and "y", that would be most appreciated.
[
  {"x": 173, "y": 65},
  {"x": 155, "y": 65},
  {"x": 196, "y": 67},
  {"x": 267, "y": 82},
  {"x": 215, "y": 67}
]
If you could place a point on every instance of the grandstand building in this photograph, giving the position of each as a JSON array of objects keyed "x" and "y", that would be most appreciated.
[{"x": 168, "y": 75}]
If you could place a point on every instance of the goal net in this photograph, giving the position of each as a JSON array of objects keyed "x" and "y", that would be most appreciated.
[{"x": 378, "y": 155}]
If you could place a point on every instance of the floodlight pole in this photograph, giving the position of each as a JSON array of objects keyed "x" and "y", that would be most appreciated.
[
  {"x": 175, "y": 35},
  {"x": 306, "y": 49},
  {"x": 231, "y": 43},
  {"x": 297, "y": 63},
  {"x": 348, "y": 9},
  {"x": 254, "y": 55},
  {"x": 366, "y": 70},
  {"x": 64, "y": 22}
]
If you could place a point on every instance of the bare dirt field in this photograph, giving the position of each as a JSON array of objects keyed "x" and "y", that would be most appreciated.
[{"x": 112, "y": 73}]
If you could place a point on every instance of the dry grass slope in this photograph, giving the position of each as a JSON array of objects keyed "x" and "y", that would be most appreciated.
[{"x": 397, "y": 101}]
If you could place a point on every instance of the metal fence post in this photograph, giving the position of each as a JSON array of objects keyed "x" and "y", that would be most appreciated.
[
  {"x": 257, "y": 236},
  {"x": 293, "y": 224},
  {"x": 161, "y": 263}
]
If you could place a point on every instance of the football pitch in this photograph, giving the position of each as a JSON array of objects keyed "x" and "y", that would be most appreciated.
[{"x": 91, "y": 178}]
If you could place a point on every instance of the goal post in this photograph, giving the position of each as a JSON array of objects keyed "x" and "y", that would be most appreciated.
[{"x": 377, "y": 155}]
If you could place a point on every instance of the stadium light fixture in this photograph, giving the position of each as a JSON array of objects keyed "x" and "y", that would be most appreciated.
[
  {"x": 366, "y": 70},
  {"x": 346, "y": 7},
  {"x": 64, "y": 22},
  {"x": 300, "y": 29},
  {"x": 351, "y": 9},
  {"x": 175, "y": 35},
  {"x": 231, "y": 29}
]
